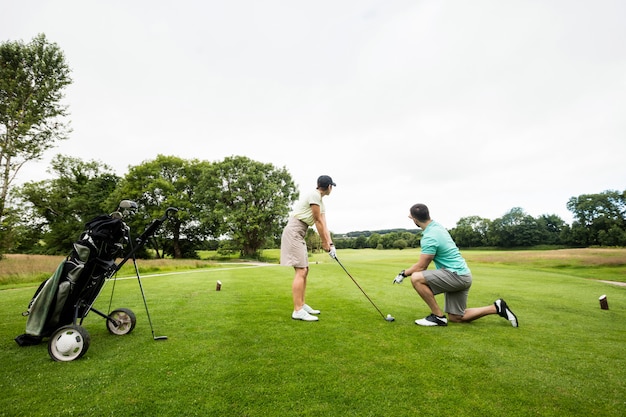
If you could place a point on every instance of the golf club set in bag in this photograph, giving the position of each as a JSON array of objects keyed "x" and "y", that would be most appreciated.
[{"x": 62, "y": 302}]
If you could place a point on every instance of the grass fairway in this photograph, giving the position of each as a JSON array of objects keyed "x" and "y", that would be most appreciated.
[{"x": 237, "y": 352}]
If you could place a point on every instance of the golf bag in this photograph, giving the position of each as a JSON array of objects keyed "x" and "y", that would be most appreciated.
[
  {"x": 61, "y": 302},
  {"x": 70, "y": 291}
]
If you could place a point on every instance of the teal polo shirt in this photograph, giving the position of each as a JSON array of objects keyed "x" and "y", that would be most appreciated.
[{"x": 437, "y": 241}]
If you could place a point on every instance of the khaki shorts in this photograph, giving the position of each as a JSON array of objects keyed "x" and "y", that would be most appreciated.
[
  {"x": 293, "y": 246},
  {"x": 455, "y": 288}
]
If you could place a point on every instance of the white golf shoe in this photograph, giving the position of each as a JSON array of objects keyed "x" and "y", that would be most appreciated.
[
  {"x": 432, "y": 320},
  {"x": 303, "y": 315},
  {"x": 310, "y": 310}
]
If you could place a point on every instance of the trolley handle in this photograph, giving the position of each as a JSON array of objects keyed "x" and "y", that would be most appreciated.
[{"x": 154, "y": 226}]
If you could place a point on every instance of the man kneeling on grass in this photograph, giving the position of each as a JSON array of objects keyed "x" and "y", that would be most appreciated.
[{"x": 452, "y": 276}]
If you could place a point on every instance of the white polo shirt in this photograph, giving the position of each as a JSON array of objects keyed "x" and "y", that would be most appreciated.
[{"x": 302, "y": 210}]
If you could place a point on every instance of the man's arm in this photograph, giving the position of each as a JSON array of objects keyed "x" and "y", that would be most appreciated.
[{"x": 421, "y": 265}]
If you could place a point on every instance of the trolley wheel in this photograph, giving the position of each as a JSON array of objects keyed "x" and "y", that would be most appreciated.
[
  {"x": 125, "y": 321},
  {"x": 68, "y": 343}
]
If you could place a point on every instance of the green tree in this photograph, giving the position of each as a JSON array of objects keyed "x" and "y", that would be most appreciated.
[
  {"x": 614, "y": 236},
  {"x": 19, "y": 235},
  {"x": 361, "y": 242},
  {"x": 387, "y": 239},
  {"x": 61, "y": 206},
  {"x": 514, "y": 229},
  {"x": 252, "y": 201},
  {"x": 594, "y": 213},
  {"x": 33, "y": 77},
  {"x": 313, "y": 240},
  {"x": 400, "y": 244},
  {"x": 412, "y": 239},
  {"x": 167, "y": 181},
  {"x": 551, "y": 227},
  {"x": 471, "y": 232},
  {"x": 373, "y": 240}
]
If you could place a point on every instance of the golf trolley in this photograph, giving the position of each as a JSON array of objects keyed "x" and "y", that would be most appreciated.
[{"x": 62, "y": 302}]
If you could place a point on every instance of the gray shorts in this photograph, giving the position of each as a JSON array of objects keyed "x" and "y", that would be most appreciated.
[
  {"x": 455, "y": 288},
  {"x": 293, "y": 246}
]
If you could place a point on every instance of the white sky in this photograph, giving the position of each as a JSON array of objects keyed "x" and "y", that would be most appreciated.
[{"x": 471, "y": 107}]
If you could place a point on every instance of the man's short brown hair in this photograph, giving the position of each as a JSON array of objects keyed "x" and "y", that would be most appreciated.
[{"x": 420, "y": 212}]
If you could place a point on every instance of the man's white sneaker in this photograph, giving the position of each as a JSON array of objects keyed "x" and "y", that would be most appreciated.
[
  {"x": 303, "y": 315},
  {"x": 432, "y": 320},
  {"x": 504, "y": 311},
  {"x": 310, "y": 310}
]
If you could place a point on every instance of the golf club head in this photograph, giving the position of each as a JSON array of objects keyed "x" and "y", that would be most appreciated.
[
  {"x": 160, "y": 337},
  {"x": 389, "y": 317},
  {"x": 127, "y": 207}
]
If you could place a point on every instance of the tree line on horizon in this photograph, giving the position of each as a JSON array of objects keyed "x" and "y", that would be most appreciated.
[
  {"x": 599, "y": 220},
  {"x": 241, "y": 205}
]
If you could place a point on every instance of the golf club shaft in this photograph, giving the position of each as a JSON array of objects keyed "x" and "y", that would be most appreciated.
[
  {"x": 357, "y": 284},
  {"x": 144, "y": 298}
]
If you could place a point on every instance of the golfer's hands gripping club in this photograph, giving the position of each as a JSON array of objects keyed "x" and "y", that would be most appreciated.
[
  {"x": 332, "y": 252},
  {"x": 398, "y": 279}
]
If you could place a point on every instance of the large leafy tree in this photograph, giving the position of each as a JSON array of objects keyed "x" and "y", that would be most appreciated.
[
  {"x": 251, "y": 201},
  {"x": 61, "y": 206},
  {"x": 552, "y": 227},
  {"x": 33, "y": 77},
  {"x": 598, "y": 218},
  {"x": 166, "y": 181},
  {"x": 471, "y": 231},
  {"x": 514, "y": 229}
]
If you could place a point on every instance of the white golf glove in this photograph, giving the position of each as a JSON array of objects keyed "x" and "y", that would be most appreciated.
[
  {"x": 332, "y": 252},
  {"x": 399, "y": 278}
]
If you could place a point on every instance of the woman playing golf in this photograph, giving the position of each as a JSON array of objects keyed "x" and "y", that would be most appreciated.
[{"x": 309, "y": 211}]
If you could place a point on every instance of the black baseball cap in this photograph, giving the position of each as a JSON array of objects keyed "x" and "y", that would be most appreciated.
[{"x": 324, "y": 181}]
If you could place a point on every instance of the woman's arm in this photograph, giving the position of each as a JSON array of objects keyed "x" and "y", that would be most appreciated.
[{"x": 321, "y": 227}]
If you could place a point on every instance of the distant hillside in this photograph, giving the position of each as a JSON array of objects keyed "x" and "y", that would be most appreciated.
[{"x": 368, "y": 233}]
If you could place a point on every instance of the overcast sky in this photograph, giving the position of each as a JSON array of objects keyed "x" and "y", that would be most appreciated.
[{"x": 471, "y": 107}]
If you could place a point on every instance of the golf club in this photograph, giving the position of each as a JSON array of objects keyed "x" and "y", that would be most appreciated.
[
  {"x": 388, "y": 317},
  {"x": 141, "y": 240},
  {"x": 146, "y": 305}
]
